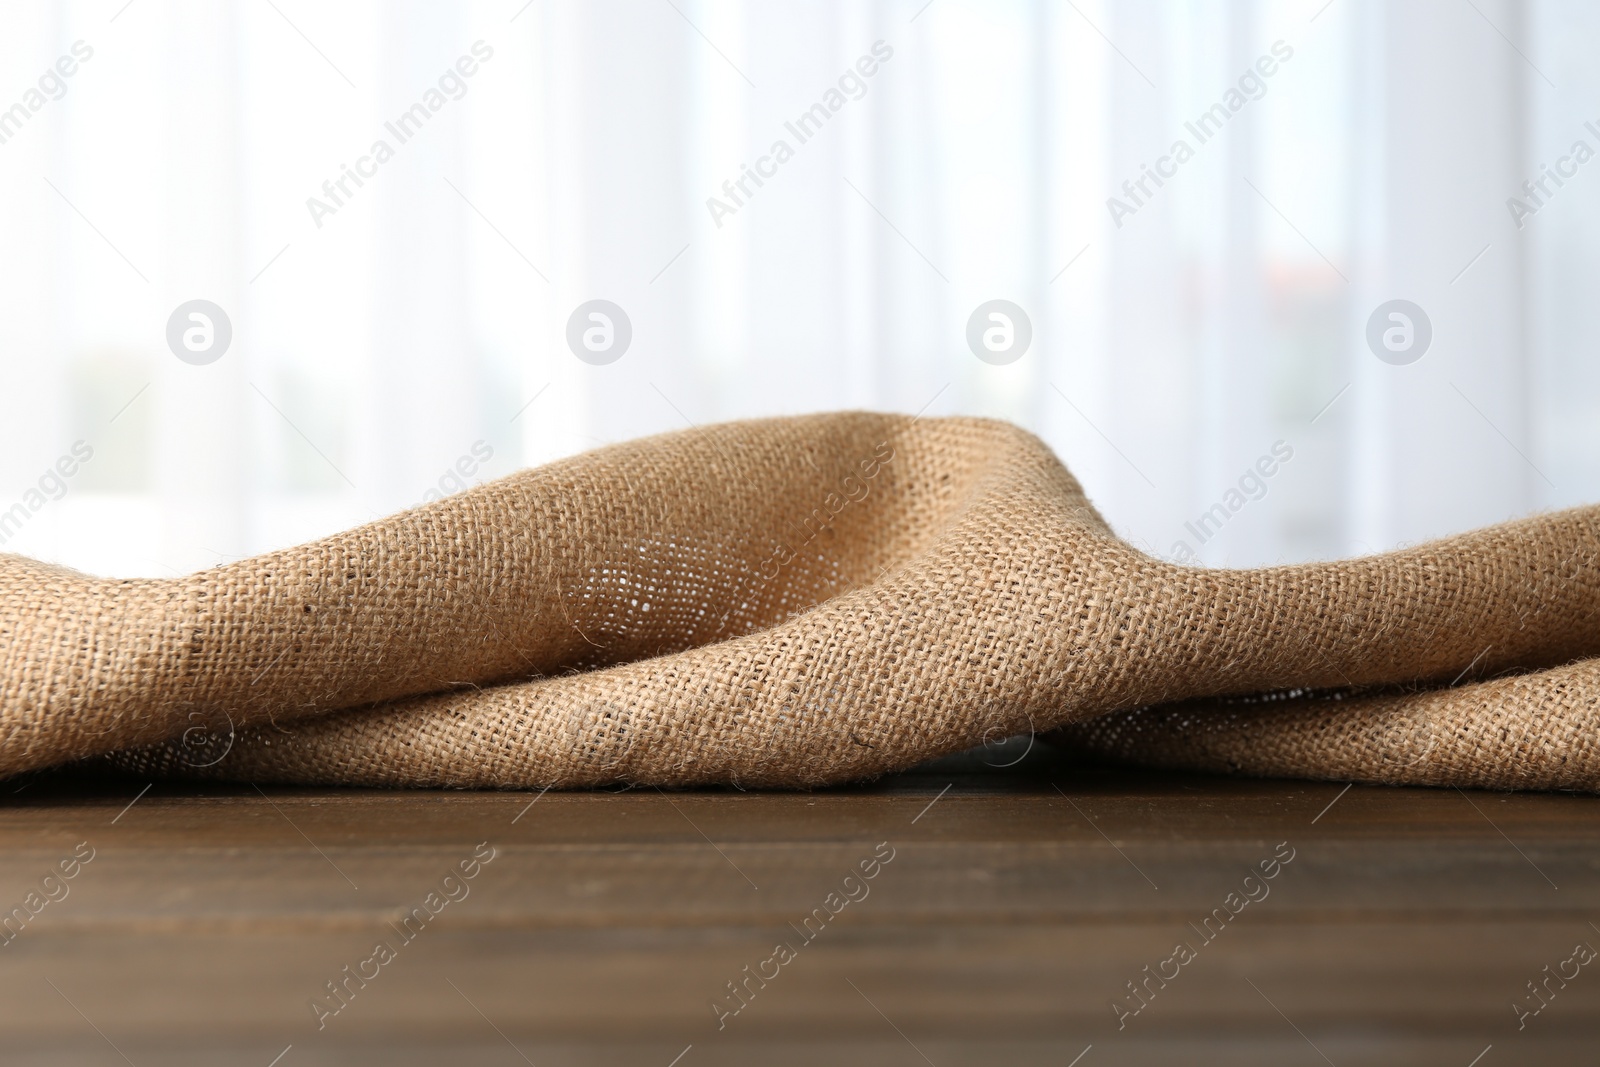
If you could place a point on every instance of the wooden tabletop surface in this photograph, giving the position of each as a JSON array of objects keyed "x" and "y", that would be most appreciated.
[{"x": 1038, "y": 913}]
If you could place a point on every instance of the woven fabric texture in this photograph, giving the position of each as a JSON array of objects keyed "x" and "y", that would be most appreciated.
[{"x": 802, "y": 601}]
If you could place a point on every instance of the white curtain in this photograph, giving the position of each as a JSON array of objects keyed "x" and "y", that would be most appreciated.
[{"x": 1198, "y": 357}]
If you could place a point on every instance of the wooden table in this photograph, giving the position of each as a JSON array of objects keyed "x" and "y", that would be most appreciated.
[{"x": 1009, "y": 909}]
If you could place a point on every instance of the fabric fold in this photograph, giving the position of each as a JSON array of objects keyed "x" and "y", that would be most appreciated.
[{"x": 783, "y": 602}]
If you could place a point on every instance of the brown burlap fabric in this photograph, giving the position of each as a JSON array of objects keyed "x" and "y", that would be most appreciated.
[
  {"x": 1530, "y": 731},
  {"x": 796, "y": 602}
]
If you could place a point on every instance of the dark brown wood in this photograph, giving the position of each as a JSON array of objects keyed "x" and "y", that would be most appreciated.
[{"x": 1018, "y": 905}]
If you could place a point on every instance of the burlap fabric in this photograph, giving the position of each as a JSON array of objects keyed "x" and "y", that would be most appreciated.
[
  {"x": 1530, "y": 731},
  {"x": 793, "y": 602}
]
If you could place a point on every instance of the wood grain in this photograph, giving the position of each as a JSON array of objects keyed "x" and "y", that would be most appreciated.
[{"x": 1018, "y": 904}]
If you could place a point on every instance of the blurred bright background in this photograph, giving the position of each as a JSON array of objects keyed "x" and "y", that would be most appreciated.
[{"x": 421, "y": 326}]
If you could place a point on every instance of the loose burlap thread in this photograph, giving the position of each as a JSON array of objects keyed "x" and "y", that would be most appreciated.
[{"x": 798, "y": 602}]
